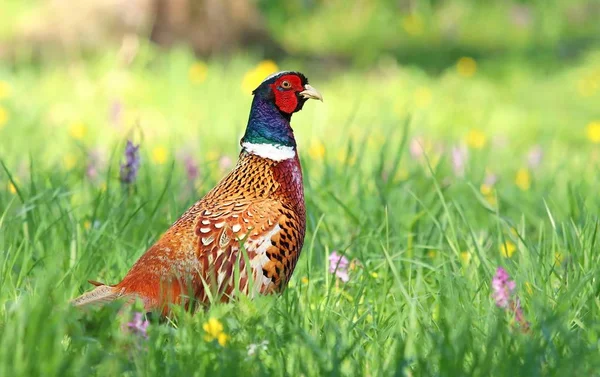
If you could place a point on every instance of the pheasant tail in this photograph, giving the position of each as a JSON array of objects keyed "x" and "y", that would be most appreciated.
[{"x": 102, "y": 294}]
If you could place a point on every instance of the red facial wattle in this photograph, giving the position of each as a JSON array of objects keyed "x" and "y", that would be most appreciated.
[{"x": 286, "y": 99}]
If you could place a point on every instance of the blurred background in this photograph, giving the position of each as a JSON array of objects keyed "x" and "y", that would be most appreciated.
[
  {"x": 506, "y": 80},
  {"x": 455, "y": 136}
]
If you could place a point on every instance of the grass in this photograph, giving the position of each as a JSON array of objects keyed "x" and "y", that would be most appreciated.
[{"x": 425, "y": 240}]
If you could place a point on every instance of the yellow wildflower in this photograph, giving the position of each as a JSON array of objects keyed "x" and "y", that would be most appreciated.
[
  {"x": 267, "y": 67},
  {"x": 343, "y": 158},
  {"x": 558, "y": 257},
  {"x": 255, "y": 76},
  {"x": 87, "y": 224},
  {"x": 485, "y": 189},
  {"x": 5, "y": 89},
  {"x": 214, "y": 331},
  {"x": 413, "y": 24},
  {"x": 197, "y": 72},
  {"x": 431, "y": 254},
  {"x": 523, "y": 179},
  {"x": 422, "y": 97},
  {"x": 476, "y": 139},
  {"x": 212, "y": 155},
  {"x": 3, "y": 116},
  {"x": 304, "y": 280},
  {"x": 465, "y": 257},
  {"x": 159, "y": 155},
  {"x": 77, "y": 130},
  {"x": 492, "y": 201},
  {"x": 593, "y": 132},
  {"x": 374, "y": 274},
  {"x": 529, "y": 288},
  {"x": 316, "y": 150},
  {"x": 466, "y": 66},
  {"x": 12, "y": 188},
  {"x": 69, "y": 161},
  {"x": 508, "y": 249}
]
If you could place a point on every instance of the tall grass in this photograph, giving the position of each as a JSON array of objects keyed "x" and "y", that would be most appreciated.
[{"x": 425, "y": 239}]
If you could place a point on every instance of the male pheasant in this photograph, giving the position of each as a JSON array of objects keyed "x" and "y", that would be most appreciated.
[{"x": 246, "y": 234}]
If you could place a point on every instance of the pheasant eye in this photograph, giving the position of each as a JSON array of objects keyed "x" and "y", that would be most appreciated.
[{"x": 286, "y": 85}]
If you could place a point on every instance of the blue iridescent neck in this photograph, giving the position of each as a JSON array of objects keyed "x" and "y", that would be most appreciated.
[{"x": 267, "y": 125}]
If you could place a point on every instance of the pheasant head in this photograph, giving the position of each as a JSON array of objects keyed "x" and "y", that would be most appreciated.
[{"x": 275, "y": 100}]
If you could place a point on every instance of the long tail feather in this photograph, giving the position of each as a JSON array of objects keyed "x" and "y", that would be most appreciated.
[{"x": 102, "y": 294}]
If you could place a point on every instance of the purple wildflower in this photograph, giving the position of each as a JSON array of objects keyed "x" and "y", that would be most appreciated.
[
  {"x": 503, "y": 289},
  {"x": 338, "y": 265},
  {"x": 535, "y": 156},
  {"x": 139, "y": 325},
  {"x": 130, "y": 167},
  {"x": 459, "y": 157},
  {"x": 191, "y": 168}
]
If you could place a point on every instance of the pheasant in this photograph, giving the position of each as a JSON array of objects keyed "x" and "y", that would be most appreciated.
[{"x": 246, "y": 234}]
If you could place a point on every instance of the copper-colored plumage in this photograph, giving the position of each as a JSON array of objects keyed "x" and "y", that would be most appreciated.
[
  {"x": 246, "y": 234},
  {"x": 260, "y": 205}
]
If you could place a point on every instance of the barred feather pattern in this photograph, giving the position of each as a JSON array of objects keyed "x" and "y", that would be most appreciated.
[{"x": 251, "y": 227}]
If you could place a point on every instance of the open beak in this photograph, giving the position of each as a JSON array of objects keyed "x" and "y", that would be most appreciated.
[{"x": 311, "y": 93}]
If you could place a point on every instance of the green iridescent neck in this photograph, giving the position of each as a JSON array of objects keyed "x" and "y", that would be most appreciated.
[{"x": 268, "y": 125}]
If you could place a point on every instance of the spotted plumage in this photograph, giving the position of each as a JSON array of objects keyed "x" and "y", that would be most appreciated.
[{"x": 246, "y": 234}]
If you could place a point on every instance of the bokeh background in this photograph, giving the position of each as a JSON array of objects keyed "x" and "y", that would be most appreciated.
[
  {"x": 455, "y": 137},
  {"x": 502, "y": 75}
]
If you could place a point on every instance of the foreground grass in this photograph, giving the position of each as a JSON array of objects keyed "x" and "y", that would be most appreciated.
[{"x": 426, "y": 233}]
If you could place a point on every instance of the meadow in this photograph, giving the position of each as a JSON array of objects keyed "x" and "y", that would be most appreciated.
[{"x": 425, "y": 183}]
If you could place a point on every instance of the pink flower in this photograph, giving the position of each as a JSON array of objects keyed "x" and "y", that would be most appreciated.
[
  {"x": 416, "y": 148},
  {"x": 95, "y": 162},
  {"x": 139, "y": 325},
  {"x": 115, "y": 113},
  {"x": 338, "y": 265},
  {"x": 535, "y": 156},
  {"x": 459, "y": 157},
  {"x": 503, "y": 288},
  {"x": 518, "y": 311},
  {"x": 490, "y": 179},
  {"x": 225, "y": 162}
]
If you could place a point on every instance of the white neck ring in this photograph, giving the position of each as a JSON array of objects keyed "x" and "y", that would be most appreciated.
[{"x": 270, "y": 151}]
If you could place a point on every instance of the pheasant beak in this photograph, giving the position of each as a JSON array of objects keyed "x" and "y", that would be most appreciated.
[{"x": 311, "y": 93}]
